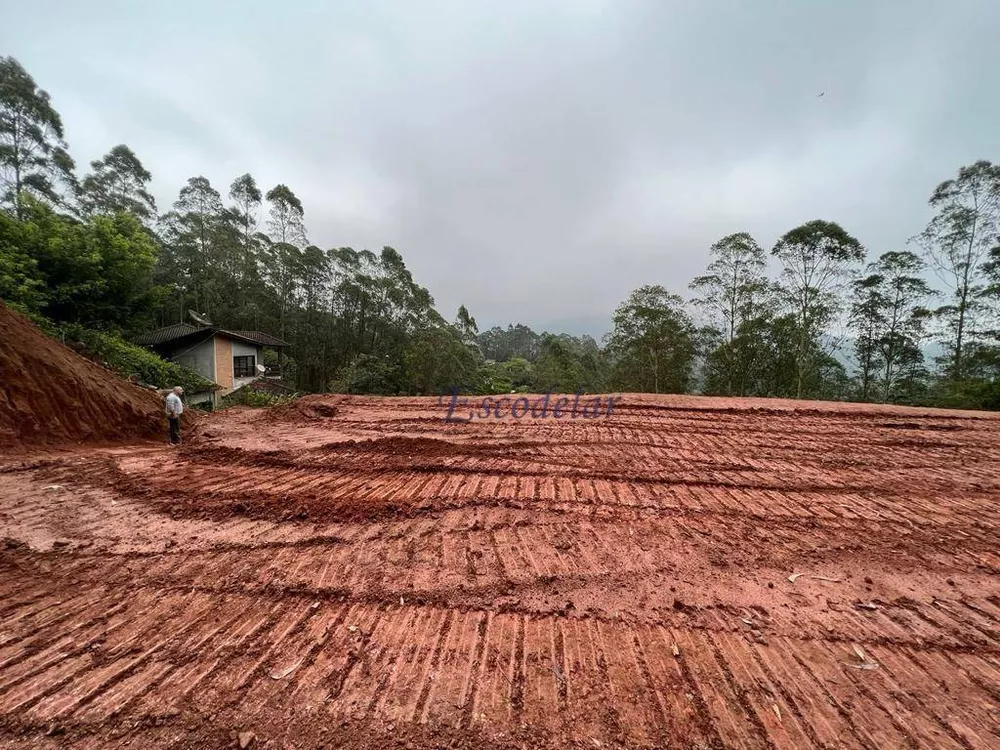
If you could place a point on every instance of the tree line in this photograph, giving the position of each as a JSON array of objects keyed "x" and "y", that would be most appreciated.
[{"x": 815, "y": 316}]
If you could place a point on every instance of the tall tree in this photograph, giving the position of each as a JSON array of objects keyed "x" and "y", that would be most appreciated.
[
  {"x": 244, "y": 216},
  {"x": 466, "y": 326},
  {"x": 286, "y": 217},
  {"x": 889, "y": 318},
  {"x": 988, "y": 359},
  {"x": 283, "y": 255},
  {"x": 734, "y": 281},
  {"x": 33, "y": 156},
  {"x": 868, "y": 319},
  {"x": 990, "y": 295},
  {"x": 309, "y": 337},
  {"x": 376, "y": 309},
  {"x": 652, "y": 344},
  {"x": 246, "y": 197},
  {"x": 190, "y": 260},
  {"x": 906, "y": 319},
  {"x": 199, "y": 207},
  {"x": 734, "y": 291},
  {"x": 957, "y": 242},
  {"x": 118, "y": 184},
  {"x": 817, "y": 259}
]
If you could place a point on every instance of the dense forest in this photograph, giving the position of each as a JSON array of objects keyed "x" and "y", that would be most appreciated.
[{"x": 816, "y": 316}]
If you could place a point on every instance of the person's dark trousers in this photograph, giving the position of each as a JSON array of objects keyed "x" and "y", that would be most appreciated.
[{"x": 175, "y": 429}]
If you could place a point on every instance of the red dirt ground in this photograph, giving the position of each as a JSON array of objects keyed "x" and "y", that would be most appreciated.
[{"x": 356, "y": 572}]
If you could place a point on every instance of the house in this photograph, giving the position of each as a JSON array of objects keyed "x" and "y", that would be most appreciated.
[{"x": 231, "y": 359}]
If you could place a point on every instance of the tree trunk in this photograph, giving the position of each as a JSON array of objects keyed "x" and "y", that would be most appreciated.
[
  {"x": 957, "y": 365},
  {"x": 18, "y": 208}
]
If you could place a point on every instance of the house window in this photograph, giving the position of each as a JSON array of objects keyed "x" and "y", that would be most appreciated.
[{"x": 244, "y": 367}]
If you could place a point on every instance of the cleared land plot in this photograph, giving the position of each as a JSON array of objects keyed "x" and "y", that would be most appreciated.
[{"x": 689, "y": 573}]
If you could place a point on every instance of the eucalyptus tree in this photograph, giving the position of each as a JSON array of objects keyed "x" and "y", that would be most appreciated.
[
  {"x": 33, "y": 151},
  {"x": 735, "y": 293},
  {"x": 957, "y": 243},
  {"x": 818, "y": 259},
  {"x": 119, "y": 183}
]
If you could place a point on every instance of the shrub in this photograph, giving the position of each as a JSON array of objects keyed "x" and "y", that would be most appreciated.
[
  {"x": 250, "y": 397},
  {"x": 129, "y": 360}
]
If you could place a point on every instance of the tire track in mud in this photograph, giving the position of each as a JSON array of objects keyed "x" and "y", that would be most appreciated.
[{"x": 324, "y": 496}]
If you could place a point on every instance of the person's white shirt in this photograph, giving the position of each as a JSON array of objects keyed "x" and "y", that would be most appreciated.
[{"x": 174, "y": 405}]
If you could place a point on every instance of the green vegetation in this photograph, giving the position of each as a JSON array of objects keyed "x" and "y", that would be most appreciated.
[
  {"x": 129, "y": 360},
  {"x": 93, "y": 259},
  {"x": 257, "y": 399}
]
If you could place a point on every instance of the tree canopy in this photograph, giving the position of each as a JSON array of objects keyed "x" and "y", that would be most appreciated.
[{"x": 33, "y": 154}]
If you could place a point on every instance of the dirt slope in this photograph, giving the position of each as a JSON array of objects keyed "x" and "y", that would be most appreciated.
[{"x": 49, "y": 394}]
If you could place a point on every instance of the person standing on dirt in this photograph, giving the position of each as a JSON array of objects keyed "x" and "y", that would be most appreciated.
[{"x": 174, "y": 408}]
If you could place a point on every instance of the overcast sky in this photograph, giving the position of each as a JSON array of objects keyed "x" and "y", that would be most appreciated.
[{"x": 536, "y": 160}]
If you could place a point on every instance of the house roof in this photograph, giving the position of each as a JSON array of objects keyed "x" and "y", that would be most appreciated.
[
  {"x": 255, "y": 337},
  {"x": 163, "y": 335},
  {"x": 174, "y": 333}
]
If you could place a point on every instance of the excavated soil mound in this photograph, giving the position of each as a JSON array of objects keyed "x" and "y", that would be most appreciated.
[
  {"x": 49, "y": 394},
  {"x": 304, "y": 409}
]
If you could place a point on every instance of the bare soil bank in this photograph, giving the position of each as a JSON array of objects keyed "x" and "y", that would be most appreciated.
[{"x": 49, "y": 394}]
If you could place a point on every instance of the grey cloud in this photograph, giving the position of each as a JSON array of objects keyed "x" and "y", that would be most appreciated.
[{"x": 537, "y": 161}]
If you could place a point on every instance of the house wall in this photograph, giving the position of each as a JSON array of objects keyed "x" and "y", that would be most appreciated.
[
  {"x": 244, "y": 350},
  {"x": 213, "y": 359},
  {"x": 201, "y": 358},
  {"x": 223, "y": 363}
]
